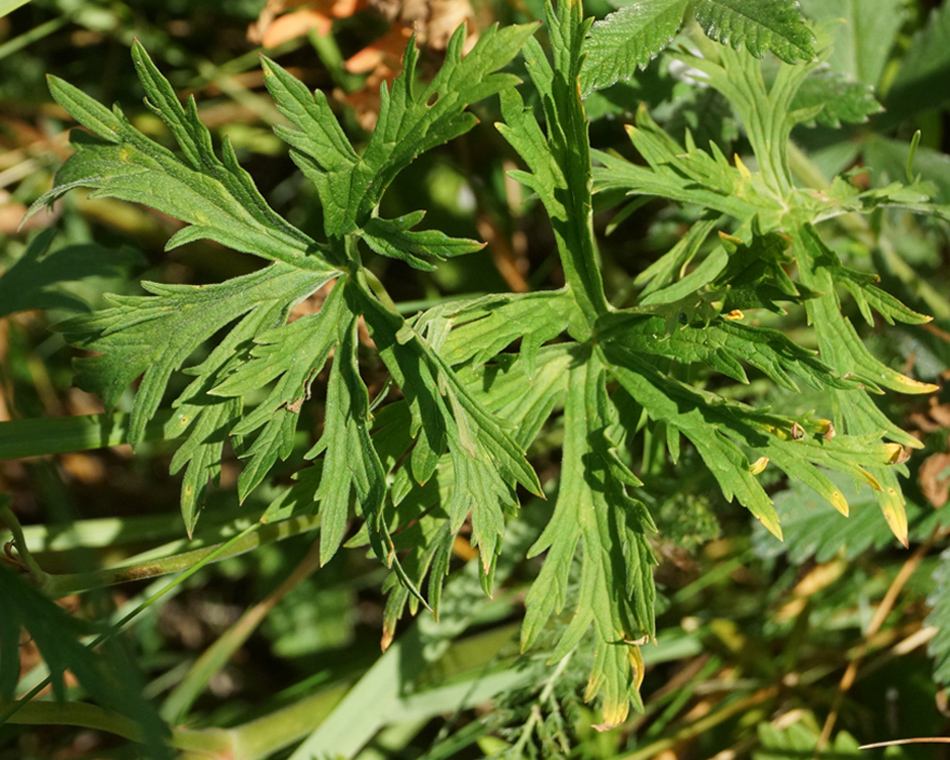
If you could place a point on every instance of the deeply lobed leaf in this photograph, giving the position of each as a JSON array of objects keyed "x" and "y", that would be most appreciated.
[{"x": 351, "y": 185}]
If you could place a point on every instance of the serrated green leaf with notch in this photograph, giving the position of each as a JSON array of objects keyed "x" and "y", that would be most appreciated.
[
  {"x": 627, "y": 40},
  {"x": 759, "y": 26}
]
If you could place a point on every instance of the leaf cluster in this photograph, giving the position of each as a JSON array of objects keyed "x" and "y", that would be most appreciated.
[{"x": 438, "y": 466}]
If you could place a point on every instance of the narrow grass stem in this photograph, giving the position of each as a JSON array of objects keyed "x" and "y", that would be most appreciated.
[
  {"x": 217, "y": 553},
  {"x": 59, "y": 585}
]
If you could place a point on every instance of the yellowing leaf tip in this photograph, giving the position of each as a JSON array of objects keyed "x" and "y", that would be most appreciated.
[
  {"x": 839, "y": 502},
  {"x": 743, "y": 169}
]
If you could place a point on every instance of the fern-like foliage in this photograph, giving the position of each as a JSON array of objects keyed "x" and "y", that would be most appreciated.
[
  {"x": 451, "y": 449},
  {"x": 767, "y": 202}
]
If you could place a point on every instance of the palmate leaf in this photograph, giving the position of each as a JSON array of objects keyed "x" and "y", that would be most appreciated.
[
  {"x": 724, "y": 345},
  {"x": 720, "y": 431},
  {"x": 686, "y": 174},
  {"x": 153, "y": 336},
  {"x": 295, "y": 353},
  {"x": 394, "y": 238},
  {"x": 350, "y": 476},
  {"x": 840, "y": 344},
  {"x": 868, "y": 296},
  {"x": 206, "y": 419},
  {"x": 766, "y": 113},
  {"x": 768, "y": 117},
  {"x": 486, "y": 460},
  {"x": 482, "y": 328},
  {"x": 350, "y": 185},
  {"x": 818, "y": 265},
  {"x": 352, "y": 472},
  {"x": 669, "y": 267},
  {"x": 520, "y": 395},
  {"x": 214, "y": 195},
  {"x": 594, "y": 511}
]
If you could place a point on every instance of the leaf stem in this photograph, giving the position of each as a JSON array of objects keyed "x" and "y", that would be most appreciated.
[
  {"x": 378, "y": 289},
  {"x": 39, "y": 575}
]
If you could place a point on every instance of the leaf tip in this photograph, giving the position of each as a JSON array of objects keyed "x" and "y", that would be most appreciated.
[{"x": 839, "y": 502}]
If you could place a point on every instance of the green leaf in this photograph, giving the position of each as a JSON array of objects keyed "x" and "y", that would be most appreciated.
[
  {"x": 350, "y": 185},
  {"x": 843, "y": 349},
  {"x": 155, "y": 335},
  {"x": 862, "y": 36},
  {"x": 559, "y": 161},
  {"x": 36, "y": 279},
  {"x": 867, "y": 296},
  {"x": 716, "y": 426},
  {"x": 921, "y": 79},
  {"x": 839, "y": 343},
  {"x": 206, "y": 420},
  {"x": 698, "y": 420},
  {"x": 812, "y": 531},
  {"x": 628, "y": 39},
  {"x": 669, "y": 267},
  {"x": 755, "y": 276},
  {"x": 693, "y": 288},
  {"x": 200, "y": 454},
  {"x": 765, "y": 111},
  {"x": 107, "y": 675},
  {"x": 723, "y": 345},
  {"x": 484, "y": 327},
  {"x": 521, "y": 397},
  {"x": 939, "y": 601},
  {"x": 486, "y": 460},
  {"x": 214, "y": 195},
  {"x": 352, "y": 474},
  {"x": 295, "y": 353},
  {"x": 394, "y": 238},
  {"x": 841, "y": 98},
  {"x": 759, "y": 26},
  {"x": 687, "y": 175},
  {"x": 594, "y": 510}
]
